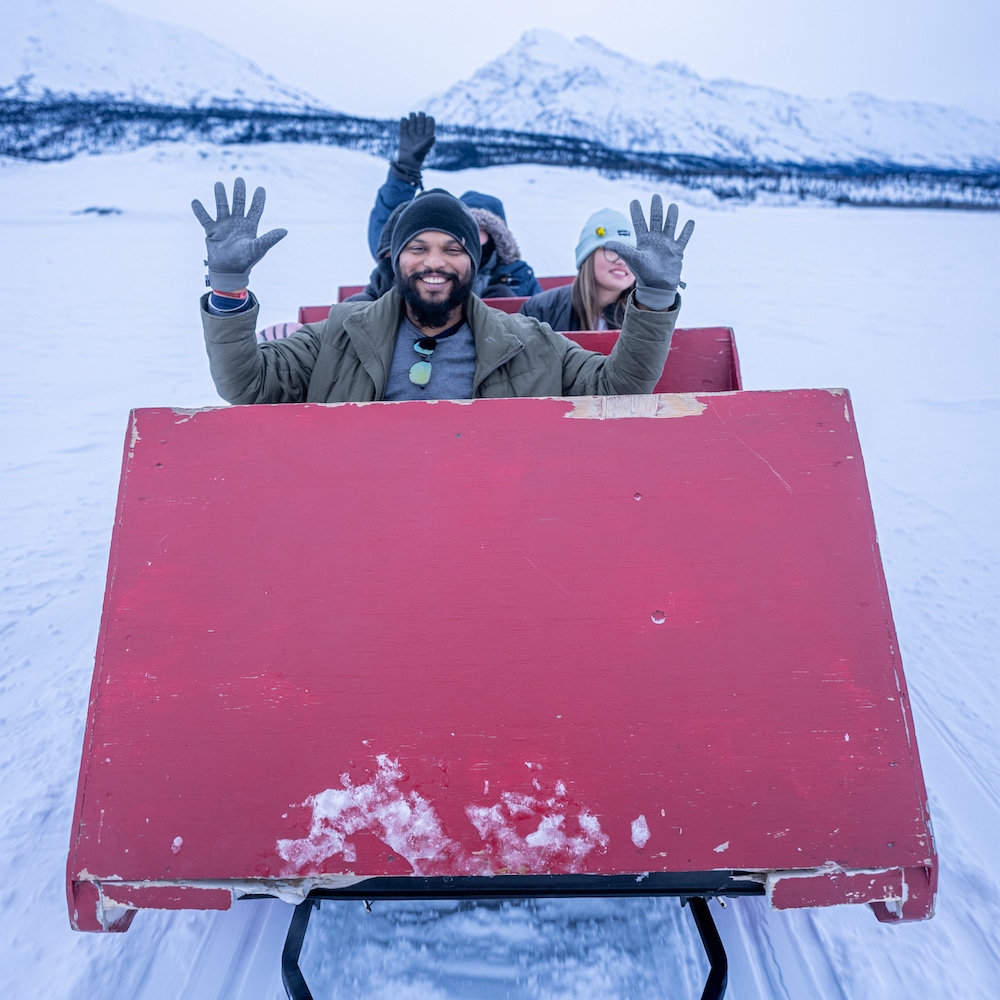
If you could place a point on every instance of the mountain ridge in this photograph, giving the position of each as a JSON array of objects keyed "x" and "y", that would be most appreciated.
[
  {"x": 87, "y": 50},
  {"x": 132, "y": 86},
  {"x": 547, "y": 83}
]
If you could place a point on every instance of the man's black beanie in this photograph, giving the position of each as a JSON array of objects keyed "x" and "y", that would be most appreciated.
[{"x": 444, "y": 213}]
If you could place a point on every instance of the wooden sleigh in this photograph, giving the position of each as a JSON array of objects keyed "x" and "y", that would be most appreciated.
[{"x": 520, "y": 647}]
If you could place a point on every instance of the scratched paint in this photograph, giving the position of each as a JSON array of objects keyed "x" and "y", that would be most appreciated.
[
  {"x": 833, "y": 883},
  {"x": 134, "y": 436},
  {"x": 682, "y": 404},
  {"x": 406, "y": 822},
  {"x": 187, "y": 413}
]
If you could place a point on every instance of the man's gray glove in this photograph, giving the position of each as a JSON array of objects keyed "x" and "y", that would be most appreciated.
[
  {"x": 233, "y": 244},
  {"x": 416, "y": 136},
  {"x": 656, "y": 258}
]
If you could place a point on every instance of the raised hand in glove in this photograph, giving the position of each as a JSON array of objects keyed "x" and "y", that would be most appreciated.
[
  {"x": 233, "y": 244},
  {"x": 416, "y": 136},
  {"x": 656, "y": 258}
]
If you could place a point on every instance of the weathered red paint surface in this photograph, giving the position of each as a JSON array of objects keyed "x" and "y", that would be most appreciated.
[
  {"x": 598, "y": 635},
  {"x": 912, "y": 886},
  {"x": 701, "y": 359},
  {"x": 547, "y": 282}
]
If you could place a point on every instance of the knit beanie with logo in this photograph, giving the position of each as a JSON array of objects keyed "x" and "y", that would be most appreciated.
[{"x": 604, "y": 226}]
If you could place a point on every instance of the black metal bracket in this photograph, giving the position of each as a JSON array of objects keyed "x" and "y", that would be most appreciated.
[
  {"x": 718, "y": 973},
  {"x": 292, "y": 979},
  {"x": 296, "y": 987}
]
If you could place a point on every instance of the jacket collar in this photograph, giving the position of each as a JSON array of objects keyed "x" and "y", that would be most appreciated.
[
  {"x": 496, "y": 343},
  {"x": 372, "y": 330}
]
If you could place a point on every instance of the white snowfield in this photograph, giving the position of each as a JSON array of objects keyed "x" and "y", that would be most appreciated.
[{"x": 900, "y": 307}]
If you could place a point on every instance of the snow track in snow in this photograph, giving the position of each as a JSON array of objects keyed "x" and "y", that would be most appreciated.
[{"x": 899, "y": 307}]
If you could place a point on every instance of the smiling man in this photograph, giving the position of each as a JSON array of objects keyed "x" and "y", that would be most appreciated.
[
  {"x": 435, "y": 252},
  {"x": 429, "y": 337}
]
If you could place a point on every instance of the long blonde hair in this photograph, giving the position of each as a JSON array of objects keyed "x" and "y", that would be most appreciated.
[{"x": 585, "y": 299}]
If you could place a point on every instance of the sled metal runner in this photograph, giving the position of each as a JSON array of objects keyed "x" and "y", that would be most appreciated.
[{"x": 517, "y": 887}]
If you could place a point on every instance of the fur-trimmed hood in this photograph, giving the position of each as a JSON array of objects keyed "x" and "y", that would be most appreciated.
[{"x": 503, "y": 239}]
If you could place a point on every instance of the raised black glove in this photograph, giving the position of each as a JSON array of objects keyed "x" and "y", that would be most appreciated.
[
  {"x": 233, "y": 244},
  {"x": 416, "y": 136},
  {"x": 656, "y": 258}
]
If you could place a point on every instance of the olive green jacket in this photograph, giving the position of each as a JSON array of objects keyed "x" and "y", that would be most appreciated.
[{"x": 346, "y": 357}]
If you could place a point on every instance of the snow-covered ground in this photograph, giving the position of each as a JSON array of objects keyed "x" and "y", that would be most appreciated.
[{"x": 901, "y": 307}]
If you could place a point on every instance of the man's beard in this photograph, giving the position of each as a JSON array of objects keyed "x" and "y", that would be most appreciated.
[{"x": 433, "y": 314}]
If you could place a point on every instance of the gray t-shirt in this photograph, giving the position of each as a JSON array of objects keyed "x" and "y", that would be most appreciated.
[{"x": 453, "y": 364}]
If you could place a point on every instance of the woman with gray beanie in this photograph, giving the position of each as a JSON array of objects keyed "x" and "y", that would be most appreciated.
[{"x": 596, "y": 299}]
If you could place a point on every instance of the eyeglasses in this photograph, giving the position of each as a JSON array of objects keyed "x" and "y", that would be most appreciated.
[
  {"x": 611, "y": 257},
  {"x": 420, "y": 371}
]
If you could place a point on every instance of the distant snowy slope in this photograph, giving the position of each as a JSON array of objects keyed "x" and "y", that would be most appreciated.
[
  {"x": 817, "y": 297},
  {"x": 88, "y": 50},
  {"x": 547, "y": 83}
]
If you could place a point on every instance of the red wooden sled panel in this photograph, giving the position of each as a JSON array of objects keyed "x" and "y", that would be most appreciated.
[
  {"x": 541, "y": 636},
  {"x": 509, "y": 305},
  {"x": 555, "y": 281},
  {"x": 701, "y": 358},
  {"x": 547, "y": 282},
  {"x": 316, "y": 314}
]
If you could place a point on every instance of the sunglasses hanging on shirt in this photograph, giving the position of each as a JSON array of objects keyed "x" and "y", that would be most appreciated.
[{"x": 420, "y": 371}]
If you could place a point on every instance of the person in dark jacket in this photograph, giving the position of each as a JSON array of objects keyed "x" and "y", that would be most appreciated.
[
  {"x": 382, "y": 278},
  {"x": 502, "y": 272},
  {"x": 596, "y": 298}
]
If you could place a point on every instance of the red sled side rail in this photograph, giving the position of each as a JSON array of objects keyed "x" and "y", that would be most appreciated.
[
  {"x": 701, "y": 359},
  {"x": 614, "y": 644},
  {"x": 547, "y": 282}
]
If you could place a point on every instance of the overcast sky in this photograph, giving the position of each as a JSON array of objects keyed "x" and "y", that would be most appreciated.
[{"x": 380, "y": 58}]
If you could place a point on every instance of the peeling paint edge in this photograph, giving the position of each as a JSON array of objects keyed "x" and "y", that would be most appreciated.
[
  {"x": 111, "y": 906},
  {"x": 596, "y": 407},
  {"x": 831, "y": 869},
  {"x": 771, "y": 876},
  {"x": 658, "y": 405},
  {"x": 290, "y": 890},
  {"x": 187, "y": 413},
  {"x": 134, "y": 436}
]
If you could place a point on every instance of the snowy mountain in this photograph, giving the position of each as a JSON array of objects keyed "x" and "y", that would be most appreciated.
[
  {"x": 86, "y": 50},
  {"x": 547, "y": 83},
  {"x": 78, "y": 76}
]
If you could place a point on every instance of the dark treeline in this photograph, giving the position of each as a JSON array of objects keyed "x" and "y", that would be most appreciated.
[{"x": 61, "y": 129}]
